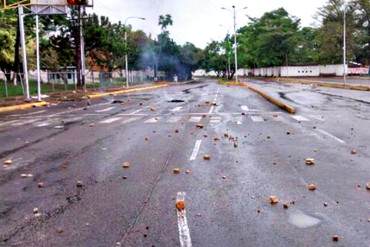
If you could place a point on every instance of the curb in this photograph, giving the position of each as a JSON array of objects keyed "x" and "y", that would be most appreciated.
[
  {"x": 275, "y": 101},
  {"x": 99, "y": 95},
  {"x": 22, "y": 106},
  {"x": 357, "y": 87}
]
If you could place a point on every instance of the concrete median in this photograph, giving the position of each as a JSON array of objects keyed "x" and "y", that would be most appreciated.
[
  {"x": 290, "y": 109},
  {"x": 22, "y": 106}
]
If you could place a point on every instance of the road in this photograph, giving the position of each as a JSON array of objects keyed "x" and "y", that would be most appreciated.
[{"x": 256, "y": 150}]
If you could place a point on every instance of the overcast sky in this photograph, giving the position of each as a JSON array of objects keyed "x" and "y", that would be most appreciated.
[{"x": 200, "y": 21}]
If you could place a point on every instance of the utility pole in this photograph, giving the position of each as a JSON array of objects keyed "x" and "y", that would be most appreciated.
[
  {"x": 126, "y": 42},
  {"x": 235, "y": 46},
  {"x": 24, "y": 52},
  {"x": 38, "y": 59},
  {"x": 82, "y": 48},
  {"x": 344, "y": 46}
]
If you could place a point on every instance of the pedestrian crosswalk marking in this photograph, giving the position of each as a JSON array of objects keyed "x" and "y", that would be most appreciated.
[
  {"x": 215, "y": 120},
  {"x": 130, "y": 120},
  {"x": 174, "y": 119},
  {"x": 110, "y": 120},
  {"x": 300, "y": 118},
  {"x": 105, "y": 110},
  {"x": 245, "y": 108},
  {"x": 176, "y": 109},
  {"x": 152, "y": 120},
  {"x": 195, "y": 119},
  {"x": 257, "y": 119}
]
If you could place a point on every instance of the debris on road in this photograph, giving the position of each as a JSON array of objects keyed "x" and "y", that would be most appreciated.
[
  {"x": 325, "y": 204},
  {"x": 368, "y": 186},
  {"x": 273, "y": 200},
  {"x": 152, "y": 109},
  {"x": 188, "y": 171},
  {"x": 335, "y": 238},
  {"x": 200, "y": 126},
  {"x": 36, "y": 212},
  {"x": 310, "y": 161},
  {"x": 8, "y": 162},
  {"x": 224, "y": 177},
  {"x": 79, "y": 184},
  {"x": 353, "y": 151},
  {"x": 41, "y": 185},
  {"x": 216, "y": 139},
  {"x": 126, "y": 165},
  {"x": 285, "y": 205},
  {"x": 206, "y": 157},
  {"x": 176, "y": 171},
  {"x": 311, "y": 187},
  {"x": 180, "y": 205},
  {"x": 176, "y": 131}
]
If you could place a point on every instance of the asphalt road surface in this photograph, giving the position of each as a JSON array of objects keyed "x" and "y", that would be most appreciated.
[{"x": 87, "y": 198}]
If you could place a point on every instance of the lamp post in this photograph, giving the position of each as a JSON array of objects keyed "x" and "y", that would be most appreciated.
[
  {"x": 235, "y": 40},
  {"x": 126, "y": 56},
  {"x": 344, "y": 45}
]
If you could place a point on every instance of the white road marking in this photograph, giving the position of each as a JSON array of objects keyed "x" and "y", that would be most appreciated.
[
  {"x": 239, "y": 120},
  {"x": 25, "y": 122},
  {"x": 245, "y": 108},
  {"x": 110, "y": 120},
  {"x": 257, "y": 119},
  {"x": 106, "y": 109},
  {"x": 317, "y": 117},
  {"x": 28, "y": 114},
  {"x": 130, "y": 120},
  {"x": 136, "y": 112},
  {"x": 176, "y": 109},
  {"x": 173, "y": 119},
  {"x": 195, "y": 119},
  {"x": 44, "y": 124},
  {"x": 8, "y": 122},
  {"x": 211, "y": 110},
  {"x": 152, "y": 120},
  {"x": 182, "y": 222},
  {"x": 300, "y": 118},
  {"x": 215, "y": 120},
  {"x": 195, "y": 150},
  {"x": 331, "y": 136}
]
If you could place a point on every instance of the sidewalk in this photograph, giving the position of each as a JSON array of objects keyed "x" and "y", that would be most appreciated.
[{"x": 19, "y": 103}]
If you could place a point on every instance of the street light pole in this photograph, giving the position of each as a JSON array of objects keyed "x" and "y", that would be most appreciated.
[
  {"x": 126, "y": 39},
  {"x": 24, "y": 53},
  {"x": 235, "y": 46},
  {"x": 344, "y": 46},
  {"x": 38, "y": 59}
]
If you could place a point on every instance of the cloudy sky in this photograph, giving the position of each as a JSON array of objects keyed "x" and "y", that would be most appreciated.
[{"x": 200, "y": 21}]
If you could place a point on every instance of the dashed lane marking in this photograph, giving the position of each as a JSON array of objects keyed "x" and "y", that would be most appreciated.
[
  {"x": 195, "y": 119},
  {"x": 215, "y": 120},
  {"x": 331, "y": 136},
  {"x": 300, "y": 118},
  {"x": 43, "y": 124},
  {"x": 257, "y": 119},
  {"x": 110, "y": 120},
  {"x": 8, "y": 122},
  {"x": 317, "y": 117},
  {"x": 195, "y": 150},
  {"x": 106, "y": 109},
  {"x": 25, "y": 122},
  {"x": 182, "y": 222}
]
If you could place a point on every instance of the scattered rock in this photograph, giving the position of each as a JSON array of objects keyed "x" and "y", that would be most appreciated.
[
  {"x": 226, "y": 135},
  {"x": 216, "y": 139},
  {"x": 60, "y": 230},
  {"x": 288, "y": 133},
  {"x": 180, "y": 205},
  {"x": 285, "y": 206},
  {"x": 335, "y": 238},
  {"x": 176, "y": 131},
  {"x": 200, "y": 126},
  {"x": 188, "y": 171},
  {"x": 41, "y": 185},
  {"x": 24, "y": 175},
  {"x": 311, "y": 187},
  {"x": 353, "y": 151},
  {"x": 79, "y": 184},
  {"x": 124, "y": 177},
  {"x": 206, "y": 157},
  {"x": 274, "y": 200},
  {"x": 91, "y": 125},
  {"x": 126, "y": 165},
  {"x": 325, "y": 204},
  {"x": 8, "y": 162},
  {"x": 224, "y": 177},
  {"x": 35, "y": 211},
  {"x": 243, "y": 113},
  {"x": 310, "y": 161},
  {"x": 176, "y": 171},
  {"x": 152, "y": 109},
  {"x": 368, "y": 186}
]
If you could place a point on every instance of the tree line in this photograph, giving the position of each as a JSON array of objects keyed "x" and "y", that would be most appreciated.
[{"x": 277, "y": 39}]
